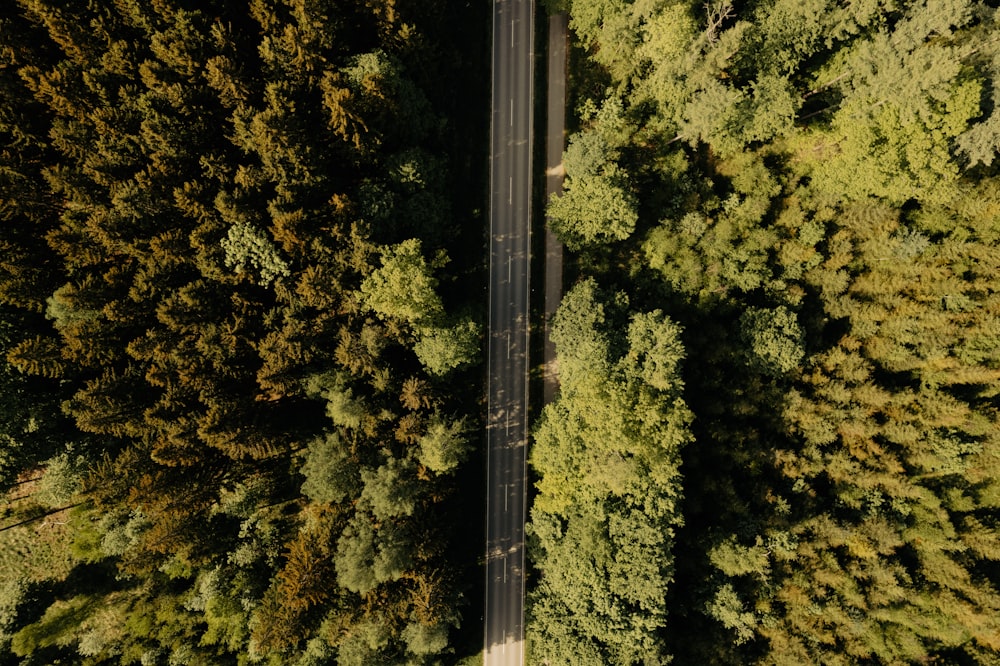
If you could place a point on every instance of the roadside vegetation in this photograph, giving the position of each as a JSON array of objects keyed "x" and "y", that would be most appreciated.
[
  {"x": 236, "y": 297},
  {"x": 777, "y": 440}
]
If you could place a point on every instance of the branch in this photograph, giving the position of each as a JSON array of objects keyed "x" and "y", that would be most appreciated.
[
  {"x": 824, "y": 86},
  {"x": 717, "y": 14}
]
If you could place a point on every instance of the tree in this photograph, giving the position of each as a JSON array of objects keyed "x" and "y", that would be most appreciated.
[
  {"x": 905, "y": 100},
  {"x": 425, "y": 640},
  {"x": 341, "y": 406},
  {"x": 607, "y": 455},
  {"x": 330, "y": 474},
  {"x": 363, "y": 643},
  {"x": 773, "y": 338},
  {"x": 12, "y": 595},
  {"x": 820, "y": 192},
  {"x": 391, "y": 491},
  {"x": 444, "y": 445},
  {"x": 366, "y": 558},
  {"x": 203, "y": 289},
  {"x": 62, "y": 480},
  {"x": 404, "y": 287},
  {"x": 593, "y": 209},
  {"x": 655, "y": 350},
  {"x": 443, "y": 349},
  {"x": 247, "y": 249}
]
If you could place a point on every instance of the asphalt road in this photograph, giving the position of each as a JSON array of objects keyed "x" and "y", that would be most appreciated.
[{"x": 507, "y": 386}]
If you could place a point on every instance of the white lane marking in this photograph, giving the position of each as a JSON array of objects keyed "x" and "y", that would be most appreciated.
[
  {"x": 505, "y": 511},
  {"x": 508, "y": 268},
  {"x": 510, "y": 190},
  {"x": 507, "y": 423},
  {"x": 505, "y": 568},
  {"x": 512, "y": 33},
  {"x": 508, "y": 344},
  {"x": 511, "y": 111}
]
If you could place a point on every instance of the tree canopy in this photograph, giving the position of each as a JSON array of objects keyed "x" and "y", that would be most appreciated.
[
  {"x": 813, "y": 200},
  {"x": 227, "y": 431}
]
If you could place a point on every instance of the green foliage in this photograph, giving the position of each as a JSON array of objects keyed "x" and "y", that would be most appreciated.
[
  {"x": 366, "y": 558},
  {"x": 404, "y": 287},
  {"x": 122, "y": 532},
  {"x": 391, "y": 490},
  {"x": 606, "y": 454},
  {"x": 424, "y": 640},
  {"x": 188, "y": 240},
  {"x": 444, "y": 446},
  {"x": 57, "y": 627},
  {"x": 444, "y": 349},
  {"x": 655, "y": 350},
  {"x": 248, "y": 250},
  {"x": 12, "y": 595},
  {"x": 593, "y": 209},
  {"x": 773, "y": 338},
  {"x": 62, "y": 480},
  {"x": 727, "y": 608},
  {"x": 729, "y": 119},
  {"x": 363, "y": 643},
  {"x": 818, "y": 181},
  {"x": 331, "y": 477},
  {"x": 341, "y": 406}
]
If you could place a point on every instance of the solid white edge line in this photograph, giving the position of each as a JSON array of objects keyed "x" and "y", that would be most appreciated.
[{"x": 489, "y": 329}]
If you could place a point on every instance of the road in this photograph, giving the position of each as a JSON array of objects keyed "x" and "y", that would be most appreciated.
[{"x": 509, "y": 290}]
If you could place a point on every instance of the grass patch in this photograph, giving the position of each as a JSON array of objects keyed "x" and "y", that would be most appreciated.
[{"x": 37, "y": 550}]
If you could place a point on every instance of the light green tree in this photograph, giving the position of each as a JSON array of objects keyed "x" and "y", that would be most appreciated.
[
  {"x": 444, "y": 445},
  {"x": 404, "y": 287},
  {"x": 248, "y": 250},
  {"x": 392, "y": 490},
  {"x": 62, "y": 480},
  {"x": 424, "y": 639},
  {"x": 343, "y": 408},
  {"x": 443, "y": 349},
  {"x": 594, "y": 209}
]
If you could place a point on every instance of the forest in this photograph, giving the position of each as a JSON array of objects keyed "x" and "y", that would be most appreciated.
[
  {"x": 777, "y": 437},
  {"x": 236, "y": 296},
  {"x": 241, "y": 310}
]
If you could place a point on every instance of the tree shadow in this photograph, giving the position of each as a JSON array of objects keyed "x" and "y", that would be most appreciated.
[{"x": 731, "y": 481}]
